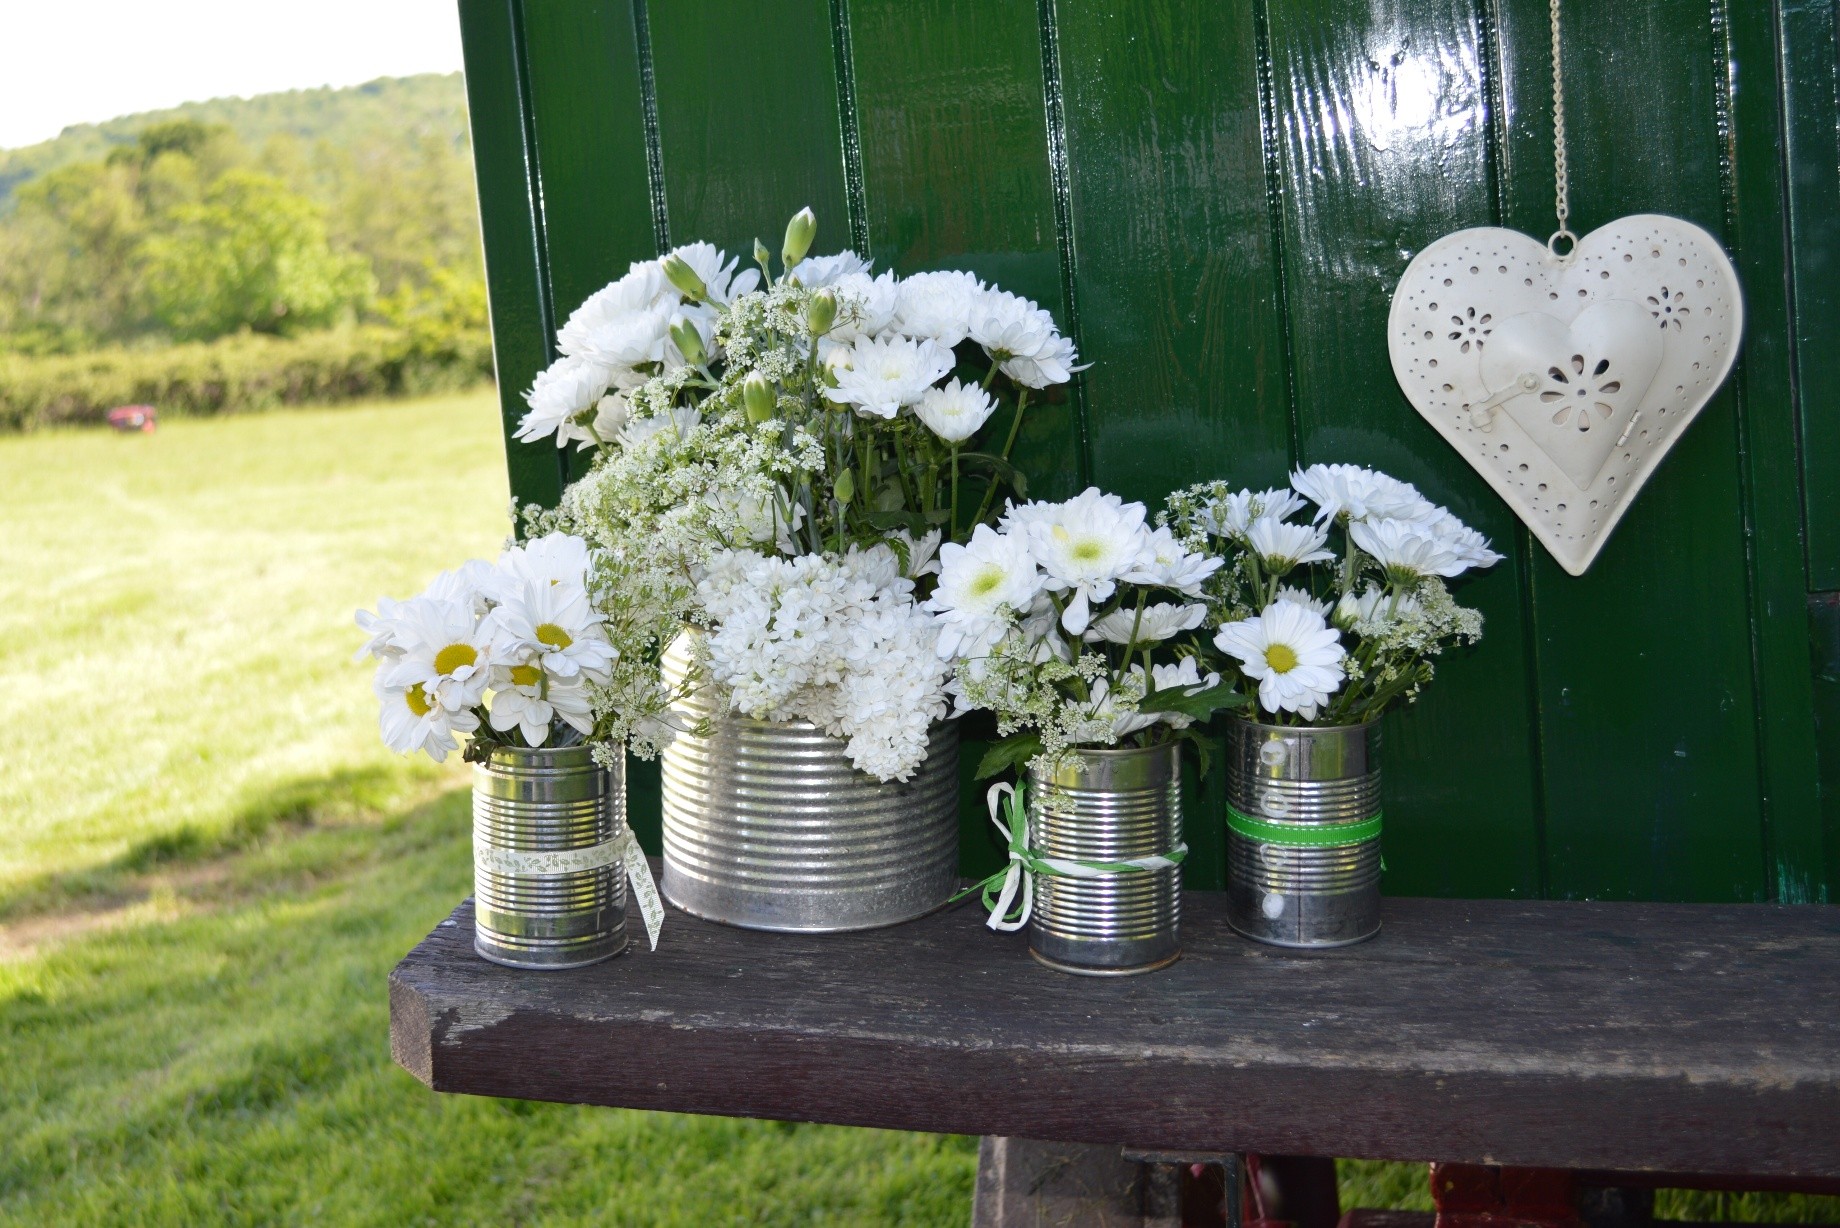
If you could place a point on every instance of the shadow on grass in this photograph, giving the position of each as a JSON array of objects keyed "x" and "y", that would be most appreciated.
[{"x": 347, "y": 797}]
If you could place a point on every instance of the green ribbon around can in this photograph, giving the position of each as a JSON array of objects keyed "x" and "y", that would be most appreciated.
[{"x": 1295, "y": 835}]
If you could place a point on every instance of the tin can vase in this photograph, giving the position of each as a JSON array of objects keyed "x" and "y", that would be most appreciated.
[
  {"x": 1303, "y": 833},
  {"x": 1108, "y": 805},
  {"x": 548, "y": 888},
  {"x": 768, "y": 826}
]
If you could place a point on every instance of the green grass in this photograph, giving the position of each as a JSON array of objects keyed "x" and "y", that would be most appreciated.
[{"x": 208, "y": 866}]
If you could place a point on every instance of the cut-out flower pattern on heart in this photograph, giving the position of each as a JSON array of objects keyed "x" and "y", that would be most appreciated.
[{"x": 1565, "y": 381}]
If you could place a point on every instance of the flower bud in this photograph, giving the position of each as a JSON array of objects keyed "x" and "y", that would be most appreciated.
[
  {"x": 846, "y": 487},
  {"x": 757, "y": 395},
  {"x": 761, "y": 255},
  {"x": 688, "y": 341},
  {"x": 678, "y": 271},
  {"x": 799, "y": 234},
  {"x": 821, "y": 312}
]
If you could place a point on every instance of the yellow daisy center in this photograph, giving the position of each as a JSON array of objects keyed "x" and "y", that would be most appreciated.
[
  {"x": 554, "y": 636},
  {"x": 526, "y": 675},
  {"x": 987, "y": 581},
  {"x": 417, "y": 699},
  {"x": 454, "y": 656},
  {"x": 1281, "y": 658}
]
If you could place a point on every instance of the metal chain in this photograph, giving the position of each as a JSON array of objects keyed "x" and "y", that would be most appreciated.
[{"x": 1562, "y": 182}]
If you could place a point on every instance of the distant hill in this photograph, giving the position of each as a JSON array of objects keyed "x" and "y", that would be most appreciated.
[{"x": 428, "y": 104}]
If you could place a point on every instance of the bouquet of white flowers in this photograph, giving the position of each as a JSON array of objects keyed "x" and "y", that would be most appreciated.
[
  {"x": 1293, "y": 592},
  {"x": 1077, "y": 625},
  {"x": 504, "y": 653},
  {"x": 778, "y": 459}
]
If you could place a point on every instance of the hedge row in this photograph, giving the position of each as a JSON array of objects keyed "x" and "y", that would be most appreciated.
[{"x": 237, "y": 374}]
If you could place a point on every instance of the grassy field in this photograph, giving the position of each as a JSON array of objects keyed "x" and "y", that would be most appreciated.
[{"x": 208, "y": 865}]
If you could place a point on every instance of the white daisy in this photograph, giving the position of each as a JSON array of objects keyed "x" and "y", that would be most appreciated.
[
  {"x": 1153, "y": 624},
  {"x": 1291, "y": 653},
  {"x": 937, "y": 305},
  {"x": 720, "y": 281},
  {"x": 1186, "y": 676},
  {"x": 1282, "y": 546},
  {"x": 1105, "y": 706},
  {"x": 446, "y": 647},
  {"x": 610, "y": 416},
  {"x": 1086, "y": 545},
  {"x": 567, "y": 387},
  {"x": 1407, "y": 549},
  {"x": 525, "y": 700},
  {"x": 955, "y": 412},
  {"x": 1291, "y": 593},
  {"x": 554, "y": 558},
  {"x": 981, "y": 586},
  {"x": 410, "y": 720},
  {"x": 381, "y": 630},
  {"x": 552, "y": 625},
  {"x": 817, "y": 272},
  {"x": 1351, "y": 492},
  {"x": 880, "y": 375},
  {"x": 1167, "y": 565}
]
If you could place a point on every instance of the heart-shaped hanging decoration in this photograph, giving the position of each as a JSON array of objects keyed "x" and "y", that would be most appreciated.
[{"x": 1565, "y": 379}]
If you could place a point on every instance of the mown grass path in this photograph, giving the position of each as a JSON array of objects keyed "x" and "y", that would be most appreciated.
[{"x": 208, "y": 863}]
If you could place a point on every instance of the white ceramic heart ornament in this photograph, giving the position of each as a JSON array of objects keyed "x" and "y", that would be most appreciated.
[{"x": 1565, "y": 379}]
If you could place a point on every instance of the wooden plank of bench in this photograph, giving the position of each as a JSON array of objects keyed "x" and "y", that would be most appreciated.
[{"x": 1643, "y": 1037}]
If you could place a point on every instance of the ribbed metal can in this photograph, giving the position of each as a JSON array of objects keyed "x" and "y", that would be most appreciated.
[
  {"x": 1310, "y": 877},
  {"x": 768, "y": 826},
  {"x": 548, "y": 891},
  {"x": 1108, "y": 805}
]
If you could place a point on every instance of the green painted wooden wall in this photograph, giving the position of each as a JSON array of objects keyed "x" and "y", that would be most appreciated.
[{"x": 1216, "y": 199}]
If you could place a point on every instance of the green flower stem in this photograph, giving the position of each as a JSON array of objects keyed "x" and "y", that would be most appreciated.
[
  {"x": 954, "y": 520},
  {"x": 1015, "y": 428}
]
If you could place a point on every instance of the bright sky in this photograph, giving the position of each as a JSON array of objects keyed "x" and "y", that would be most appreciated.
[{"x": 81, "y": 61}]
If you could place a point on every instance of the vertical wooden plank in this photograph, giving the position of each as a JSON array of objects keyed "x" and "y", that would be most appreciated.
[
  {"x": 1824, "y": 649},
  {"x": 504, "y": 163},
  {"x": 1382, "y": 116},
  {"x": 1810, "y": 103},
  {"x": 588, "y": 117},
  {"x": 1648, "y": 701},
  {"x": 1757, "y": 220},
  {"x": 748, "y": 120},
  {"x": 955, "y": 173}
]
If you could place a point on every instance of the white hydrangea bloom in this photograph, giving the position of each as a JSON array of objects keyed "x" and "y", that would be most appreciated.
[{"x": 879, "y": 375}]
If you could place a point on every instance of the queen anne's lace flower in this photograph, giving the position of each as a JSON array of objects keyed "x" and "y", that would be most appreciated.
[
  {"x": 880, "y": 375},
  {"x": 1294, "y": 656}
]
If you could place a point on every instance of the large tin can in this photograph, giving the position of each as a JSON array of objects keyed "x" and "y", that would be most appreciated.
[
  {"x": 768, "y": 826},
  {"x": 1108, "y": 805},
  {"x": 1303, "y": 833},
  {"x": 548, "y": 887}
]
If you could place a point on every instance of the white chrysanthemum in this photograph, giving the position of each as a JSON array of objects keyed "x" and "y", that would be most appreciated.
[
  {"x": 1371, "y": 611},
  {"x": 721, "y": 283},
  {"x": 410, "y": 720},
  {"x": 1085, "y": 545},
  {"x": 523, "y": 698},
  {"x": 978, "y": 583},
  {"x": 878, "y": 375},
  {"x": 680, "y": 422},
  {"x": 1022, "y": 339},
  {"x": 922, "y": 557},
  {"x": 567, "y": 387},
  {"x": 552, "y": 625},
  {"x": 955, "y": 412},
  {"x": 643, "y": 288},
  {"x": 1232, "y": 516},
  {"x": 817, "y": 272},
  {"x": 446, "y": 650},
  {"x": 865, "y": 305},
  {"x": 1109, "y": 705},
  {"x": 1407, "y": 549},
  {"x": 1290, "y": 592},
  {"x": 1471, "y": 548},
  {"x": 1351, "y": 492},
  {"x": 769, "y": 521},
  {"x": 937, "y": 305},
  {"x": 1187, "y": 677},
  {"x": 554, "y": 558},
  {"x": 611, "y": 414},
  {"x": 1152, "y": 624},
  {"x": 1167, "y": 565},
  {"x": 1282, "y": 546},
  {"x": 1294, "y": 656}
]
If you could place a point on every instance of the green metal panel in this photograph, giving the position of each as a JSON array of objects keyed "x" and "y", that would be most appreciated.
[{"x": 1217, "y": 200}]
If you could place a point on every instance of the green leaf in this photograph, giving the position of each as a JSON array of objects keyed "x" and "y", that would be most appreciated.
[
  {"x": 995, "y": 468},
  {"x": 1201, "y": 704},
  {"x": 1014, "y": 751}
]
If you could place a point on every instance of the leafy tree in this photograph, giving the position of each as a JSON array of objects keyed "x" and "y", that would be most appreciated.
[{"x": 252, "y": 255}]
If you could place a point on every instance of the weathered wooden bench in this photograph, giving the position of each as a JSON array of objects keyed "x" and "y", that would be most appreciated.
[{"x": 1645, "y": 1038}]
